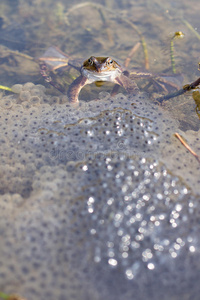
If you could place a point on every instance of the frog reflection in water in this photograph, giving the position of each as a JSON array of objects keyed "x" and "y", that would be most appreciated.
[{"x": 94, "y": 69}]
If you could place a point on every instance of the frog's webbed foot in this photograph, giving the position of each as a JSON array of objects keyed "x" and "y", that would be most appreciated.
[
  {"x": 75, "y": 88},
  {"x": 55, "y": 59},
  {"x": 129, "y": 85},
  {"x": 161, "y": 82},
  {"x": 167, "y": 83}
]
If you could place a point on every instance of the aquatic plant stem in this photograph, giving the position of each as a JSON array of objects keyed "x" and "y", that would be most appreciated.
[
  {"x": 184, "y": 89},
  {"x": 4, "y": 296},
  {"x": 5, "y": 88},
  {"x": 191, "y": 28},
  {"x": 172, "y": 56},
  {"x": 146, "y": 57},
  {"x": 177, "y": 34}
]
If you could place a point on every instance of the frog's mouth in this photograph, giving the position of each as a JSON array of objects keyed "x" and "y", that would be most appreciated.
[{"x": 93, "y": 76}]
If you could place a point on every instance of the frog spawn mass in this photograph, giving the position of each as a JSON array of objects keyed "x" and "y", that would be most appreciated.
[
  {"x": 91, "y": 209},
  {"x": 139, "y": 218}
]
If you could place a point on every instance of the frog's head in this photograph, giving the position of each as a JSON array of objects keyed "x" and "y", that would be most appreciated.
[
  {"x": 100, "y": 69},
  {"x": 100, "y": 64}
]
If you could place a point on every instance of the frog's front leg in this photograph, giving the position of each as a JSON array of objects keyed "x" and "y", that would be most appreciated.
[
  {"x": 75, "y": 88},
  {"x": 129, "y": 85}
]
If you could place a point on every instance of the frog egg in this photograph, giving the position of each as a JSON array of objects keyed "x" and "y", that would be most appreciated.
[
  {"x": 34, "y": 100},
  {"x": 63, "y": 99},
  {"x": 36, "y": 92},
  {"x": 28, "y": 86},
  {"x": 120, "y": 97},
  {"x": 40, "y": 87},
  {"x": 55, "y": 100},
  {"x": 6, "y": 103},
  {"x": 24, "y": 95},
  {"x": 104, "y": 95},
  {"x": 6, "y": 202},
  {"x": 17, "y": 88},
  {"x": 26, "y": 105}
]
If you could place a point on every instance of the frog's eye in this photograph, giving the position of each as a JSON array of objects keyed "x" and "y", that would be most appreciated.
[
  {"x": 90, "y": 61},
  {"x": 110, "y": 62}
]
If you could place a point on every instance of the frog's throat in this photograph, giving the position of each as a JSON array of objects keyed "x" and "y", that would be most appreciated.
[{"x": 93, "y": 76}]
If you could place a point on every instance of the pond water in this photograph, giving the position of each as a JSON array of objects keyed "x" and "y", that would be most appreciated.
[{"x": 100, "y": 200}]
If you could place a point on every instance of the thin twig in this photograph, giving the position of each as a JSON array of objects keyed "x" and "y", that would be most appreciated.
[
  {"x": 20, "y": 54},
  {"x": 132, "y": 52},
  {"x": 177, "y": 135}
]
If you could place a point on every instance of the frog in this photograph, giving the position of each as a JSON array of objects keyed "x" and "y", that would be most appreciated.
[
  {"x": 95, "y": 69},
  {"x": 101, "y": 69}
]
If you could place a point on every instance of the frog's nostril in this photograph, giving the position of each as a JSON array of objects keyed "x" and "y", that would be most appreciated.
[{"x": 99, "y": 67}]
